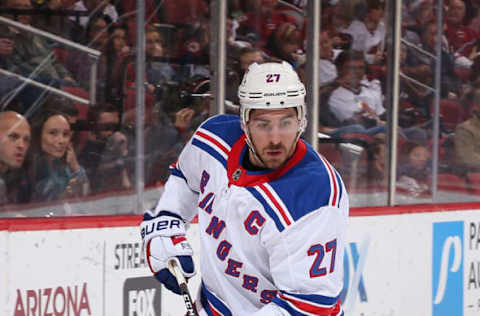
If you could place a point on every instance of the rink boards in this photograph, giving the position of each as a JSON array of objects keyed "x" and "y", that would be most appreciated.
[{"x": 422, "y": 260}]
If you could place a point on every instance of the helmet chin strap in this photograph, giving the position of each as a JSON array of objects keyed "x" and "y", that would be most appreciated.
[{"x": 251, "y": 148}]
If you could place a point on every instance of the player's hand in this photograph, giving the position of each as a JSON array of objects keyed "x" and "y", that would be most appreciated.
[{"x": 164, "y": 238}]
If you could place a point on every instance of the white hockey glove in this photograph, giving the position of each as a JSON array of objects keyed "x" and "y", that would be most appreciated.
[{"x": 163, "y": 239}]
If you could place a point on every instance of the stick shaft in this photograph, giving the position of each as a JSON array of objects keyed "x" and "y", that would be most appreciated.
[{"x": 182, "y": 283}]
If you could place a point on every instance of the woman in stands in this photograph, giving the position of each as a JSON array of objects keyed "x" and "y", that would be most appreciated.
[
  {"x": 55, "y": 172},
  {"x": 285, "y": 44}
]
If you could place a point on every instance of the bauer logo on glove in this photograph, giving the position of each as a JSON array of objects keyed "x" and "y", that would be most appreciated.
[
  {"x": 160, "y": 225},
  {"x": 164, "y": 239}
]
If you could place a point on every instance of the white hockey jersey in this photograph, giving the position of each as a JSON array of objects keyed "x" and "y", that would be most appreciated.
[{"x": 269, "y": 237}]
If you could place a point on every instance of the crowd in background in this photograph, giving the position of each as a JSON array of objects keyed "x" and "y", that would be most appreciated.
[{"x": 52, "y": 148}]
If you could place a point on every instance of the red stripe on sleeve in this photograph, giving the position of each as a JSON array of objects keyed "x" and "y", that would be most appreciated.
[
  {"x": 216, "y": 142},
  {"x": 334, "y": 180},
  {"x": 313, "y": 309},
  {"x": 275, "y": 202}
]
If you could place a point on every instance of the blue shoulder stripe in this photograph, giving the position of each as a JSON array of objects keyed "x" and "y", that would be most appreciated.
[
  {"x": 267, "y": 207},
  {"x": 315, "y": 298},
  {"x": 310, "y": 185},
  {"x": 174, "y": 171},
  {"x": 225, "y": 126},
  {"x": 207, "y": 148}
]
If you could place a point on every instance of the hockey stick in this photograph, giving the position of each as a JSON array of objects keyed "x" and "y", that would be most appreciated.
[{"x": 182, "y": 283}]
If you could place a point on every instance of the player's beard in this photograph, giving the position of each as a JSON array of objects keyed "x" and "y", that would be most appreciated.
[{"x": 274, "y": 156}]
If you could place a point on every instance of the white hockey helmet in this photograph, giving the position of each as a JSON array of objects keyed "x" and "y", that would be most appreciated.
[{"x": 272, "y": 86}]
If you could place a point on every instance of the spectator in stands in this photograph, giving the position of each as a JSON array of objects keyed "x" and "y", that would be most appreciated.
[
  {"x": 462, "y": 38},
  {"x": 65, "y": 107},
  {"x": 335, "y": 20},
  {"x": 423, "y": 13},
  {"x": 473, "y": 14},
  {"x": 236, "y": 69},
  {"x": 105, "y": 121},
  {"x": 416, "y": 98},
  {"x": 233, "y": 43},
  {"x": 157, "y": 69},
  {"x": 30, "y": 51},
  {"x": 374, "y": 176},
  {"x": 114, "y": 172},
  {"x": 7, "y": 84},
  {"x": 56, "y": 24},
  {"x": 356, "y": 100},
  {"x": 356, "y": 105},
  {"x": 14, "y": 144},
  {"x": 368, "y": 34},
  {"x": 248, "y": 56},
  {"x": 55, "y": 173},
  {"x": 184, "y": 11},
  {"x": 467, "y": 139},
  {"x": 181, "y": 110},
  {"x": 263, "y": 20},
  {"x": 195, "y": 51},
  {"x": 285, "y": 44},
  {"x": 93, "y": 7},
  {"x": 28, "y": 55},
  {"x": 116, "y": 52},
  {"x": 79, "y": 63},
  {"x": 449, "y": 81},
  {"x": 119, "y": 38},
  {"x": 328, "y": 70},
  {"x": 414, "y": 171}
]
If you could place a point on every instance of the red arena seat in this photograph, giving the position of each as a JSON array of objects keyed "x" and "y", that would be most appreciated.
[
  {"x": 474, "y": 182},
  {"x": 451, "y": 182}
]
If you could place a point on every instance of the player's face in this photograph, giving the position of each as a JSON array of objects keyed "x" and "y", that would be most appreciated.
[
  {"x": 14, "y": 142},
  {"x": 56, "y": 135},
  {"x": 273, "y": 134}
]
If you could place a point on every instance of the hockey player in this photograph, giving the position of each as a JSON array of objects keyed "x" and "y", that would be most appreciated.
[{"x": 272, "y": 213}]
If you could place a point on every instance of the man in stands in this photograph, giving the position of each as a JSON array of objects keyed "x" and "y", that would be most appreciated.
[
  {"x": 264, "y": 20},
  {"x": 105, "y": 121},
  {"x": 31, "y": 51},
  {"x": 29, "y": 55},
  {"x": 356, "y": 100},
  {"x": 14, "y": 144},
  {"x": 461, "y": 38}
]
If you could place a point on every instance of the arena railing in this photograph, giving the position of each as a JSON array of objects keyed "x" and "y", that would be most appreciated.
[{"x": 93, "y": 53}]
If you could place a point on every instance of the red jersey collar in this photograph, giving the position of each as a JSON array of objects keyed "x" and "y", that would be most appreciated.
[{"x": 239, "y": 176}]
